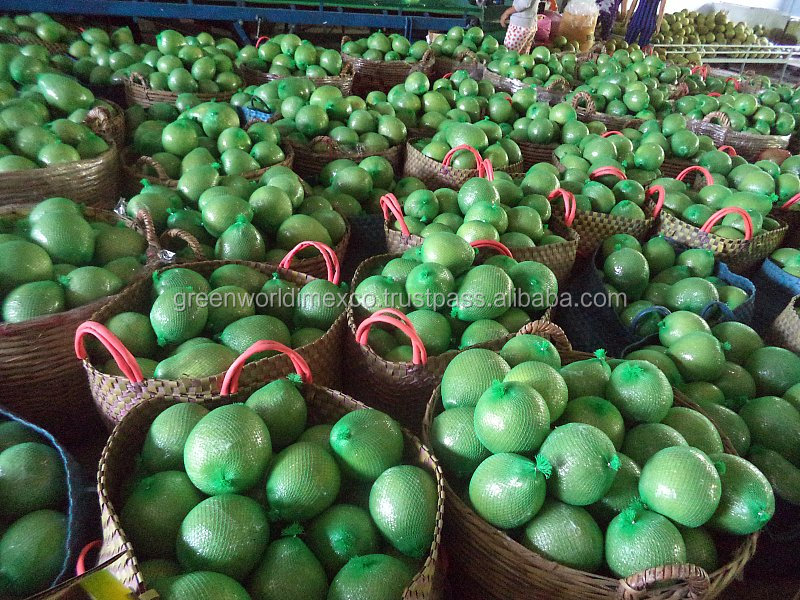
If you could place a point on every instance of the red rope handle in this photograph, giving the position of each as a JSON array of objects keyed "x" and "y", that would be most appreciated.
[
  {"x": 390, "y": 204},
  {"x": 420, "y": 354},
  {"x": 488, "y": 169},
  {"x": 662, "y": 194},
  {"x": 729, "y": 150},
  {"x": 713, "y": 219},
  {"x": 612, "y": 132},
  {"x": 447, "y": 75},
  {"x": 600, "y": 171},
  {"x": 705, "y": 172},
  {"x": 702, "y": 70},
  {"x": 714, "y": 94},
  {"x": 80, "y": 565},
  {"x": 328, "y": 255},
  {"x": 121, "y": 355},
  {"x": 793, "y": 200},
  {"x": 501, "y": 248},
  {"x": 478, "y": 158},
  {"x": 570, "y": 205},
  {"x": 263, "y": 38},
  {"x": 737, "y": 83},
  {"x": 230, "y": 384}
]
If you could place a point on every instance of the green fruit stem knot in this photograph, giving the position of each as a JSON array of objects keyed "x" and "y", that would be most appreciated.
[
  {"x": 295, "y": 378},
  {"x": 343, "y": 434},
  {"x": 624, "y": 163},
  {"x": 774, "y": 198},
  {"x": 454, "y": 312},
  {"x": 63, "y": 280},
  {"x": 631, "y": 513},
  {"x": 543, "y": 466},
  {"x": 614, "y": 463},
  {"x": 726, "y": 346},
  {"x": 145, "y": 183},
  {"x": 601, "y": 354},
  {"x": 276, "y": 276},
  {"x": 721, "y": 467},
  {"x": 241, "y": 219},
  {"x": 632, "y": 373},
  {"x": 499, "y": 388},
  {"x": 293, "y": 530},
  {"x": 216, "y": 165}
]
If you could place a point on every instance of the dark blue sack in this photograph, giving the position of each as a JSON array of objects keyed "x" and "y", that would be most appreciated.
[
  {"x": 251, "y": 112},
  {"x": 82, "y": 511},
  {"x": 776, "y": 288}
]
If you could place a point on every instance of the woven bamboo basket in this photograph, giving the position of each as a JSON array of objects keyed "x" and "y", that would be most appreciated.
[
  {"x": 437, "y": 174},
  {"x": 714, "y": 125},
  {"x": 53, "y": 47},
  {"x": 445, "y": 65},
  {"x": 791, "y": 216},
  {"x": 39, "y": 377},
  {"x": 325, "y": 405},
  {"x": 671, "y": 167},
  {"x": 533, "y": 154},
  {"x": 343, "y": 81},
  {"x": 588, "y": 113},
  {"x": 138, "y": 91},
  {"x": 785, "y": 330},
  {"x": 489, "y": 565},
  {"x": 559, "y": 257},
  {"x": 114, "y": 396},
  {"x": 552, "y": 93},
  {"x": 399, "y": 389},
  {"x": 91, "y": 181},
  {"x": 751, "y": 145},
  {"x": 109, "y": 124},
  {"x": 133, "y": 170},
  {"x": 309, "y": 161},
  {"x": 384, "y": 75}
]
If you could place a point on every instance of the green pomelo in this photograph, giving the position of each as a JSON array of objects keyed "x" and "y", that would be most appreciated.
[
  {"x": 512, "y": 416},
  {"x": 747, "y": 501},
  {"x": 242, "y": 334},
  {"x": 729, "y": 423},
  {"x": 660, "y": 360},
  {"x": 134, "y": 331},
  {"x": 700, "y": 548},
  {"x": 527, "y": 347},
  {"x": 33, "y": 551},
  {"x": 32, "y": 300},
  {"x": 202, "y": 585},
  {"x": 546, "y": 381},
  {"x": 587, "y": 377},
  {"x": 640, "y": 391},
  {"x": 366, "y": 443},
  {"x": 282, "y": 408},
  {"x": 85, "y": 285},
  {"x": 774, "y": 369},
  {"x": 598, "y": 412},
  {"x": 428, "y": 286},
  {"x": 196, "y": 362},
  {"x": 174, "y": 326},
  {"x": 377, "y": 576},
  {"x": 455, "y": 442},
  {"x": 775, "y": 424},
  {"x": 163, "y": 447},
  {"x": 696, "y": 429},
  {"x": 469, "y": 375},
  {"x": 699, "y": 356},
  {"x": 288, "y": 571},
  {"x": 340, "y": 533},
  {"x": 622, "y": 493},
  {"x": 783, "y": 476},
  {"x": 679, "y": 324},
  {"x": 32, "y": 477},
  {"x": 743, "y": 340},
  {"x": 643, "y": 441},
  {"x": 67, "y": 238},
  {"x": 449, "y": 250},
  {"x": 13, "y": 433}
]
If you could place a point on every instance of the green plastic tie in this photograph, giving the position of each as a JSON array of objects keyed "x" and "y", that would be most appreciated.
[
  {"x": 216, "y": 165},
  {"x": 632, "y": 511},
  {"x": 601, "y": 354},
  {"x": 63, "y": 280},
  {"x": 454, "y": 312},
  {"x": 543, "y": 466},
  {"x": 293, "y": 530},
  {"x": 295, "y": 378},
  {"x": 726, "y": 346},
  {"x": 721, "y": 467},
  {"x": 144, "y": 182},
  {"x": 614, "y": 463},
  {"x": 276, "y": 276}
]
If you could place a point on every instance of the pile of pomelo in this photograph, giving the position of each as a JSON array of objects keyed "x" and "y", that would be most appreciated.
[
  {"x": 590, "y": 464},
  {"x": 764, "y": 114},
  {"x": 56, "y": 259},
  {"x": 382, "y": 47},
  {"x": 787, "y": 259},
  {"x": 286, "y": 54},
  {"x": 728, "y": 369},
  {"x": 655, "y": 274},
  {"x": 237, "y": 219},
  {"x": 42, "y": 124},
  {"x": 204, "y": 134},
  {"x": 452, "y": 302},
  {"x": 33, "y": 503},
  {"x": 36, "y": 26},
  {"x": 458, "y": 41},
  {"x": 101, "y": 58},
  {"x": 538, "y": 68},
  {"x": 252, "y": 501}
]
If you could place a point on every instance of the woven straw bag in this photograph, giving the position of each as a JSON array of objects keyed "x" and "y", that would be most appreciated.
[
  {"x": 776, "y": 289},
  {"x": 533, "y": 154},
  {"x": 383, "y": 75},
  {"x": 138, "y": 91},
  {"x": 343, "y": 81},
  {"x": 114, "y": 396},
  {"x": 39, "y": 379},
  {"x": 594, "y": 227},
  {"x": 739, "y": 255},
  {"x": 489, "y": 565},
  {"x": 790, "y": 216},
  {"x": 559, "y": 257},
  {"x": 714, "y": 125},
  {"x": 325, "y": 405},
  {"x": 437, "y": 174},
  {"x": 310, "y": 158},
  {"x": 785, "y": 330},
  {"x": 446, "y": 65},
  {"x": 588, "y": 112}
]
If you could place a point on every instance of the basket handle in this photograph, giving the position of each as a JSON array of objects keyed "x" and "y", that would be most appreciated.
[
  {"x": 478, "y": 158},
  {"x": 331, "y": 260},
  {"x": 737, "y": 83},
  {"x": 151, "y": 162},
  {"x": 600, "y": 171},
  {"x": 191, "y": 241},
  {"x": 230, "y": 384},
  {"x": 727, "y": 313},
  {"x": 389, "y": 203},
  {"x": 138, "y": 79},
  {"x": 695, "y": 577},
  {"x": 145, "y": 221},
  {"x": 557, "y": 81},
  {"x": 121, "y": 355},
  {"x": 662, "y": 194},
  {"x": 586, "y": 97},
  {"x": 661, "y": 310},
  {"x": 494, "y": 245},
  {"x": 714, "y": 94},
  {"x": 80, "y": 564},
  {"x": 701, "y": 70},
  {"x": 612, "y": 132},
  {"x": 263, "y": 38},
  {"x": 420, "y": 354},
  {"x": 98, "y": 119},
  {"x": 729, "y": 150},
  {"x": 544, "y": 328},
  {"x": 691, "y": 169},
  {"x": 488, "y": 169},
  {"x": 723, "y": 119},
  {"x": 793, "y": 200},
  {"x": 570, "y": 205},
  {"x": 713, "y": 219}
]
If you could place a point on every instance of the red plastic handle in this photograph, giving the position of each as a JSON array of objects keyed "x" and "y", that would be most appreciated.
[
  {"x": 121, "y": 355},
  {"x": 494, "y": 245},
  {"x": 331, "y": 260},
  {"x": 390, "y": 204},
  {"x": 478, "y": 158},
  {"x": 737, "y": 83},
  {"x": 612, "y": 132},
  {"x": 447, "y": 75},
  {"x": 570, "y": 205},
  {"x": 729, "y": 150},
  {"x": 793, "y": 200},
  {"x": 702, "y": 70},
  {"x": 691, "y": 169},
  {"x": 600, "y": 171},
  {"x": 420, "y": 355},
  {"x": 662, "y": 194},
  {"x": 713, "y": 219},
  {"x": 714, "y": 94},
  {"x": 230, "y": 384},
  {"x": 263, "y": 38},
  {"x": 80, "y": 565},
  {"x": 488, "y": 169}
]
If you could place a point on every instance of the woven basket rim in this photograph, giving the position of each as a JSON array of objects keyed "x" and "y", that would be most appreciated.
[{"x": 66, "y": 167}]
